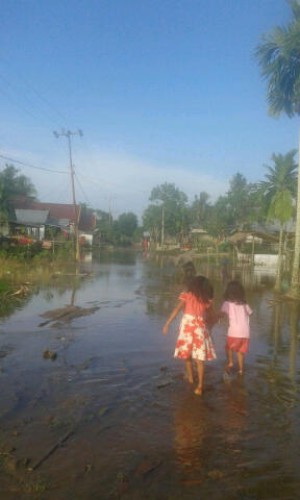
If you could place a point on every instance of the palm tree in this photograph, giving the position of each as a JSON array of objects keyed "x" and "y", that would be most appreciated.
[
  {"x": 279, "y": 190},
  {"x": 278, "y": 56}
]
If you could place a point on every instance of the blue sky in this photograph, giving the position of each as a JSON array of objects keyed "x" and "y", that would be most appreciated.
[{"x": 163, "y": 90}]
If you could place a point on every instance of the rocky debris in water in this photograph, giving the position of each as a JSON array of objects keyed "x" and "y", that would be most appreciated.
[
  {"x": 59, "y": 274},
  {"x": 66, "y": 314},
  {"x": 21, "y": 292},
  {"x": 165, "y": 379},
  {"x": 163, "y": 384},
  {"x": 10, "y": 463},
  {"x": 49, "y": 355},
  {"x": 146, "y": 466},
  {"x": 215, "y": 474},
  {"x": 6, "y": 449},
  {"x": 5, "y": 350},
  {"x": 51, "y": 450}
]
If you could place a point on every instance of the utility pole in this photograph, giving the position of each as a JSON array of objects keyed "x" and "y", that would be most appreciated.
[
  {"x": 162, "y": 225},
  {"x": 68, "y": 134}
]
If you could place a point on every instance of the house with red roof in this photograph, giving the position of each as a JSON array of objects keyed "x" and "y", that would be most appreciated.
[{"x": 38, "y": 220}]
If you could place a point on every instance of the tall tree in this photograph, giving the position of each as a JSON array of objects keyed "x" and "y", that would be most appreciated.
[
  {"x": 104, "y": 230},
  {"x": 128, "y": 223},
  {"x": 174, "y": 212},
  {"x": 279, "y": 190},
  {"x": 235, "y": 209},
  {"x": 152, "y": 221},
  {"x": 12, "y": 186},
  {"x": 238, "y": 200},
  {"x": 220, "y": 223},
  {"x": 199, "y": 208},
  {"x": 278, "y": 56}
]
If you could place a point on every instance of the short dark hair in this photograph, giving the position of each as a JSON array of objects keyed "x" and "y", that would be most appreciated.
[{"x": 235, "y": 292}]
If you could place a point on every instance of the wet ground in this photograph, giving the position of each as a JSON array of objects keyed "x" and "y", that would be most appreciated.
[{"x": 93, "y": 405}]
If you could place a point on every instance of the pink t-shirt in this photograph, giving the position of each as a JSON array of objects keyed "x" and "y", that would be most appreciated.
[
  {"x": 192, "y": 305},
  {"x": 238, "y": 315}
]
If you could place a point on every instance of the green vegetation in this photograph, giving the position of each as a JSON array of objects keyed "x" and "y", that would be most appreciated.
[
  {"x": 122, "y": 232},
  {"x": 167, "y": 214},
  {"x": 170, "y": 220},
  {"x": 13, "y": 185},
  {"x": 279, "y": 191},
  {"x": 279, "y": 58}
]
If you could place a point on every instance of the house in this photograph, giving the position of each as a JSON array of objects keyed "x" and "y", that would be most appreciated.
[
  {"x": 262, "y": 234},
  {"x": 258, "y": 246},
  {"x": 41, "y": 220},
  {"x": 199, "y": 237}
]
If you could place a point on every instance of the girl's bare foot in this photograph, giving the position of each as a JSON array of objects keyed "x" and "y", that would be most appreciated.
[
  {"x": 198, "y": 391},
  {"x": 228, "y": 366}
]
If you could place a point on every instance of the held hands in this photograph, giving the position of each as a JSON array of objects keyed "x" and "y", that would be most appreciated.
[{"x": 223, "y": 319}]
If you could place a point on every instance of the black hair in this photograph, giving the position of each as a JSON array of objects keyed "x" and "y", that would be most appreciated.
[
  {"x": 202, "y": 288},
  {"x": 235, "y": 292}
]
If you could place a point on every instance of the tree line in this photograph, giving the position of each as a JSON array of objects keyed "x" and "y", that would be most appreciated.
[
  {"x": 169, "y": 210},
  {"x": 276, "y": 197}
]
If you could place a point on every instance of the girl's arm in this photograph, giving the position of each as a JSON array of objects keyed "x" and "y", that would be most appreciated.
[
  {"x": 212, "y": 316},
  {"x": 172, "y": 316}
]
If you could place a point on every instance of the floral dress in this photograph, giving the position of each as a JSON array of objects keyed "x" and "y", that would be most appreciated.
[{"x": 194, "y": 340}]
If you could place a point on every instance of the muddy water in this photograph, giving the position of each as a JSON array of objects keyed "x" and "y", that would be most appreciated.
[{"x": 94, "y": 406}]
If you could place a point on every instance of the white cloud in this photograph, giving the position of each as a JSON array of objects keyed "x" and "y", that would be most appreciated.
[
  {"x": 109, "y": 181},
  {"x": 125, "y": 183}
]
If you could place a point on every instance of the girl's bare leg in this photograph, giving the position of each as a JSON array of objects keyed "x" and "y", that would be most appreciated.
[
  {"x": 240, "y": 360},
  {"x": 200, "y": 370},
  {"x": 189, "y": 370},
  {"x": 229, "y": 358}
]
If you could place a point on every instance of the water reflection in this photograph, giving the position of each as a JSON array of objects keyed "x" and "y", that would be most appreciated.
[
  {"x": 115, "y": 381},
  {"x": 294, "y": 324},
  {"x": 283, "y": 337},
  {"x": 209, "y": 440},
  {"x": 191, "y": 427}
]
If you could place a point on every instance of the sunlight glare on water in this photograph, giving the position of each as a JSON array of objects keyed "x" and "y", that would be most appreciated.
[{"x": 134, "y": 428}]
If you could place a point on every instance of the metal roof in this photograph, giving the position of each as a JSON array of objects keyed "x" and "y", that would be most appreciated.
[{"x": 31, "y": 217}]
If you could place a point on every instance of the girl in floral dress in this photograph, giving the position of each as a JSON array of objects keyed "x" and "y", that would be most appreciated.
[{"x": 194, "y": 341}]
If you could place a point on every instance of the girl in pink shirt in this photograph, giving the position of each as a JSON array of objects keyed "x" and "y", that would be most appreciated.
[
  {"x": 194, "y": 341},
  {"x": 236, "y": 309}
]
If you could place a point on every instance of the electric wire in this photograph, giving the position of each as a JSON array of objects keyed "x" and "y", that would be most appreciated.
[
  {"x": 18, "y": 105},
  {"x": 82, "y": 190},
  {"x": 100, "y": 182},
  {"x": 32, "y": 166},
  {"x": 17, "y": 93}
]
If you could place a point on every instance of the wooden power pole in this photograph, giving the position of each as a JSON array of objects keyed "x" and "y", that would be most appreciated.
[{"x": 68, "y": 134}]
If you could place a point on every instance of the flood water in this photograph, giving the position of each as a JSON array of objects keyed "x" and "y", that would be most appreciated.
[{"x": 95, "y": 406}]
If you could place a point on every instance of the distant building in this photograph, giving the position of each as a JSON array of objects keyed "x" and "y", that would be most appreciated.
[{"x": 36, "y": 219}]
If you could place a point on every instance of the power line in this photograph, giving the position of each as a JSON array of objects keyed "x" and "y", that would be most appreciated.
[
  {"x": 82, "y": 190},
  {"x": 18, "y": 92},
  {"x": 32, "y": 166}
]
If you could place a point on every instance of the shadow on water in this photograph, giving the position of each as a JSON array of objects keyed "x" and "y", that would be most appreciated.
[{"x": 110, "y": 416}]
